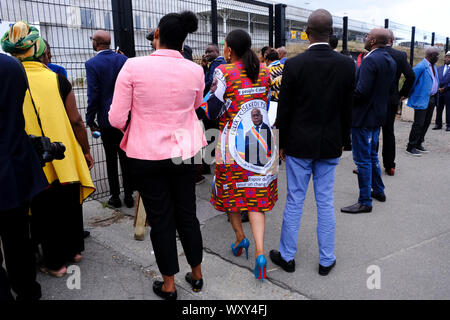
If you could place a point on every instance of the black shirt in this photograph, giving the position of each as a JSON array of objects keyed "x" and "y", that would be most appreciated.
[{"x": 64, "y": 87}]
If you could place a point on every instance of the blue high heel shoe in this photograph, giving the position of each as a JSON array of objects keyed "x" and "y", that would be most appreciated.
[
  {"x": 260, "y": 268},
  {"x": 237, "y": 250}
]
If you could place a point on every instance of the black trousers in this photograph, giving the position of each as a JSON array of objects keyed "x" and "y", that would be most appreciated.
[
  {"x": 19, "y": 256},
  {"x": 168, "y": 194},
  {"x": 57, "y": 223},
  {"x": 422, "y": 120},
  {"x": 111, "y": 138},
  {"x": 440, "y": 110},
  {"x": 388, "y": 151}
]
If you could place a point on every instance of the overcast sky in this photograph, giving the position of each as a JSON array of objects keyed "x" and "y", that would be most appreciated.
[{"x": 429, "y": 15}]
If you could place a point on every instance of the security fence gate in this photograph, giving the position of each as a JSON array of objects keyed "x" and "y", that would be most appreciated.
[{"x": 68, "y": 24}]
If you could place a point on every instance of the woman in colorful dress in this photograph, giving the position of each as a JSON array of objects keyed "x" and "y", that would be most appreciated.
[{"x": 246, "y": 154}]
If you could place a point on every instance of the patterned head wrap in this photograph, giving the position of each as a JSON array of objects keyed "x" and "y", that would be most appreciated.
[{"x": 23, "y": 42}]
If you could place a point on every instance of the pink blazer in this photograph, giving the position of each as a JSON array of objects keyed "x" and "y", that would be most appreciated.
[{"x": 162, "y": 92}]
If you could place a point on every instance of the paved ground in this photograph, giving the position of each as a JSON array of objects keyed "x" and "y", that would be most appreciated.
[{"x": 407, "y": 238}]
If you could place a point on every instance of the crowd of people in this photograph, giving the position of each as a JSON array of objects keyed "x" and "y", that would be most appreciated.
[{"x": 152, "y": 112}]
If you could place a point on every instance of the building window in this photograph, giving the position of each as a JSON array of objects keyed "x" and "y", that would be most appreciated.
[
  {"x": 87, "y": 18},
  {"x": 107, "y": 21},
  {"x": 137, "y": 21}
]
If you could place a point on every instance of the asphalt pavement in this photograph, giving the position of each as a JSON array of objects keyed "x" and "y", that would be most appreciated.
[{"x": 401, "y": 250}]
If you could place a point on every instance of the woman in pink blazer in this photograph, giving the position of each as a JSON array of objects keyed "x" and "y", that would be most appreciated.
[{"x": 158, "y": 95}]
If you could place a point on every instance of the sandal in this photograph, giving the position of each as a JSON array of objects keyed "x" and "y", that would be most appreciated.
[{"x": 54, "y": 273}]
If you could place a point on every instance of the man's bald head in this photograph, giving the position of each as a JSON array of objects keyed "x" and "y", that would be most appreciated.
[
  {"x": 282, "y": 52},
  {"x": 391, "y": 37},
  {"x": 431, "y": 50},
  {"x": 101, "y": 40},
  {"x": 377, "y": 38},
  {"x": 432, "y": 54},
  {"x": 320, "y": 26}
]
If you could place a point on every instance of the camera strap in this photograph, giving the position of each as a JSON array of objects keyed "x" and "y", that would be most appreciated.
[{"x": 32, "y": 101}]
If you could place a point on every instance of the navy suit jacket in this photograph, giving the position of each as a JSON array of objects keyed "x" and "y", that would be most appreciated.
[
  {"x": 374, "y": 79},
  {"x": 101, "y": 72},
  {"x": 21, "y": 175},
  {"x": 209, "y": 74},
  {"x": 444, "y": 82}
]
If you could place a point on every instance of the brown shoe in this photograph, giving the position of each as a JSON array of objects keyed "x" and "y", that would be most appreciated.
[{"x": 390, "y": 172}]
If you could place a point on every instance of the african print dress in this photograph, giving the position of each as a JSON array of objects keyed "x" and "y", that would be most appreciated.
[{"x": 246, "y": 154}]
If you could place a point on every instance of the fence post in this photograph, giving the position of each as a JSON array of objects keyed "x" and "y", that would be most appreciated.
[
  {"x": 123, "y": 26},
  {"x": 386, "y": 23},
  {"x": 271, "y": 25},
  {"x": 446, "y": 45},
  {"x": 214, "y": 30},
  {"x": 280, "y": 25},
  {"x": 413, "y": 39},
  {"x": 345, "y": 35},
  {"x": 433, "y": 35}
]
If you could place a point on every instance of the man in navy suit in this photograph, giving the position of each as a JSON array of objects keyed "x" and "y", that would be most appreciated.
[
  {"x": 101, "y": 72},
  {"x": 369, "y": 113},
  {"x": 403, "y": 67},
  {"x": 444, "y": 94}
]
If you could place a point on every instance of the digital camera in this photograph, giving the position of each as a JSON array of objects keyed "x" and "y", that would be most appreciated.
[{"x": 47, "y": 151}]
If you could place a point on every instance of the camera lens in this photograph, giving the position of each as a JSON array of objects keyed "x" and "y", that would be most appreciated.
[{"x": 57, "y": 150}]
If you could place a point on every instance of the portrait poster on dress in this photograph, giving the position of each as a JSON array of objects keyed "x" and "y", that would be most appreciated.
[{"x": 252, "y": 142}]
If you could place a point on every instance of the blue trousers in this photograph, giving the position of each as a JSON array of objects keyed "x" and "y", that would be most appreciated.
[
  {"x": 298, "y": 172},
  {"x": 365, "y": 156}
]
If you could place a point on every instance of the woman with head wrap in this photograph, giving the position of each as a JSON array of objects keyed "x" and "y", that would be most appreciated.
[{"x": 50, "y": 109}]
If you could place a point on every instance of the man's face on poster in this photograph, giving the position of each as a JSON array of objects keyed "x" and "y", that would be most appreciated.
[{"x": 256, "y": 117}]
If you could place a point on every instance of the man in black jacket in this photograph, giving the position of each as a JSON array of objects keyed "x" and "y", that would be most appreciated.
[
  {"x": 369, "y": 113},
  {"x": 21, "y": 178},
  {"x": 403, "y": 67},
  {"x": 313, "y": 118}
]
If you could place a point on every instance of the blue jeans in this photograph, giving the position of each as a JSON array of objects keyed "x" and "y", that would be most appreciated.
[
  {"x": 364, "y": 146},
  {"x": 298, "y": 172}
]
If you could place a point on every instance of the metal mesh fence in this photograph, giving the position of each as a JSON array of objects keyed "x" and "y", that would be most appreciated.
[
  {"x": 67, "y": 26},
  {"x": 240, "y": 15},
  {"x": 296, "y": 21},
  {"x": 147, "y": 13}
]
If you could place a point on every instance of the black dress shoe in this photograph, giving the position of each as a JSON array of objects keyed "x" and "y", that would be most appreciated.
[
  {"x": 129, "y": 201},
  {"x": 357, "y": 208},
  {"x": 380, "y": 196},
  {"x": 437, "y": 128},
  {"x": 86, "y": 234},
  {"x": 197, "y": 285},
  {"x": 323, "y": 271},
  {"x": 157, "y": 289},
  {"x": 115, "y": 202},
  {"x": 276, "y": 258}
]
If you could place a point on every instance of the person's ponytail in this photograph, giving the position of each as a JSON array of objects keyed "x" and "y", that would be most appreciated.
[
  {"x": 251, "y": 64},
  {"x": 241, "y": 43}
]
